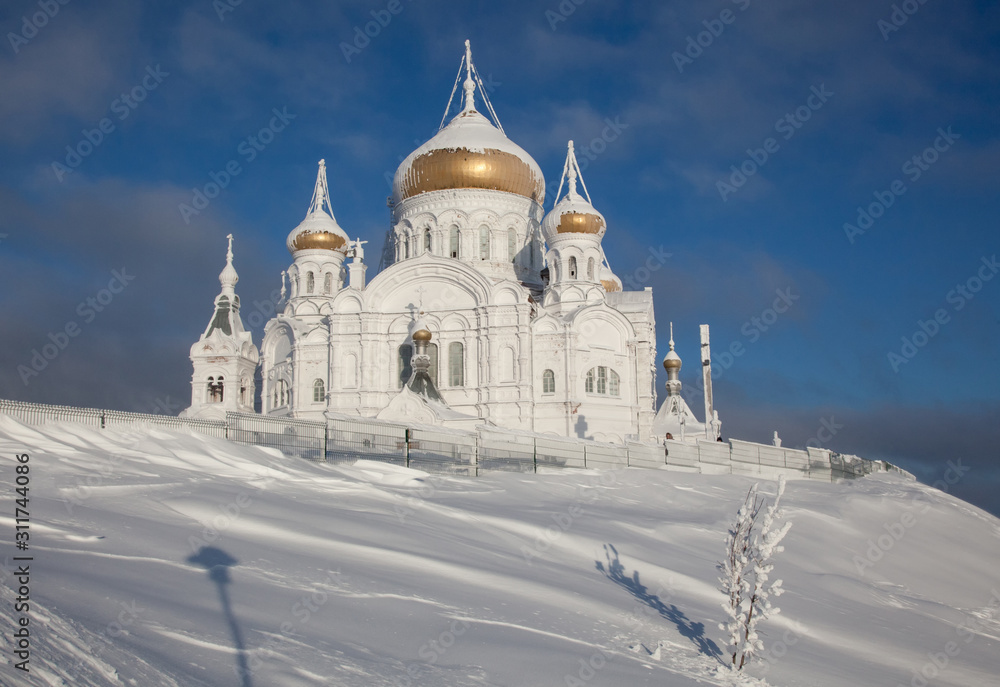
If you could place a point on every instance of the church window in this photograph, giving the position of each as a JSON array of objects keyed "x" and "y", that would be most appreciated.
[
  {"x": 328, "y": 283},
  {"x": 406, "y": 248},
  {"x": 506, "y": 364},
  {"x": 602, "y": 380},
  {"x": 310, "y": 282},
  {"x": 511, "y": 245},
  {"x": 548, "y": 382},
  {"x": 484, "y": 242},
  {"x": 405, "y": 369},
  {"x": 456, "y": 364},
  {"x": 454, "y": 241},
  {"x": 215, "y": 390},
  {"x": 572, "y": 268},
  {"x": 427, "y": 240},
  {"x": 590, "y": 269},
  {"x": 319, "y": 391},
  {"x": 403, "y": 364}
]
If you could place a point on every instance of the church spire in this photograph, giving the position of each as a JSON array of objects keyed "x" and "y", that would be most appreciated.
[
  {"x": 469, "y": 85},
  {"x": 570, "y": 175}
]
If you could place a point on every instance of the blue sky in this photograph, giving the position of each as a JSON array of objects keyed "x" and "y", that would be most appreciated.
[{"x": 823, "y": 105}]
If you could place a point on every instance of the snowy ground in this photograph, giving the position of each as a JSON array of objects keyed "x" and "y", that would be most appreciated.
[{"x": 378, "y": 575}]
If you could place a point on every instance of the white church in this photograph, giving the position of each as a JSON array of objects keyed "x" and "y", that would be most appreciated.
[{"x": 487, "y": 309}]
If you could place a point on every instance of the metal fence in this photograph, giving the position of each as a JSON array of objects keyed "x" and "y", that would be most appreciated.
[{"x": 347, "y": 440}]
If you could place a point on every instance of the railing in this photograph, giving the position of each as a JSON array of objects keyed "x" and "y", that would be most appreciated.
[{"x": 433, "y": 449}]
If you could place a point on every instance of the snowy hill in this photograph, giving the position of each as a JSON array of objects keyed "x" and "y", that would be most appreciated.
[{"x": 168, "y": 558}]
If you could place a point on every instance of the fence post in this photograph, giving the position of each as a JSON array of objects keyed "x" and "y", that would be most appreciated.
[
  {"x": 326, "y": 435},
  {"x": 406, "y": 447},
  {"x": 534, "y": 454}
]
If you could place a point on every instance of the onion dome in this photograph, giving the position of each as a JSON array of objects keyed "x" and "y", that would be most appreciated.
[
  {"x": 573, "y": 215},
  {"x": 609, "y": 280},
  {"x": 422, "y": 334},
  {"x": 672, "y": 361},
  {"x": 469, "y": 153},
  {"x": 319, "y": 230}
]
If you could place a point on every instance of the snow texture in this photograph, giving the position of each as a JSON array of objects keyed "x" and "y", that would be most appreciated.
[{"x": 169, "y": 558}]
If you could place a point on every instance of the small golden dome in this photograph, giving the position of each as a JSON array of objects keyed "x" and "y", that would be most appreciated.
[
  {"x": 422, "y": 335},
  {"x": 672, "y": 361},
  {"x": 320, "y": 240},
  {"x": 579, "y": 223}
]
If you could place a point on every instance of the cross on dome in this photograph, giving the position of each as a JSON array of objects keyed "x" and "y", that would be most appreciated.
[
  {"x": 472, "y": 81},
  {"x": 321, "y": 193},
  {"x": 571, "y": 172},
  {"x": 228, "y": 277}
]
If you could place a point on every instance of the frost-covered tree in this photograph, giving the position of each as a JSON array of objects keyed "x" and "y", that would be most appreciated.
[{"x": 750, "y": 545}]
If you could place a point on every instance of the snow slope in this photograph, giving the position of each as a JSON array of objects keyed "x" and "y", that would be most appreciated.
[{"x": 378, "y": 575}]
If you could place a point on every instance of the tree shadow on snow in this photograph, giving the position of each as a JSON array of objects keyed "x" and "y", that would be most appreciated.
[
  {"x": 217, "y": 562},
  {"x": 613, "y": 569}
]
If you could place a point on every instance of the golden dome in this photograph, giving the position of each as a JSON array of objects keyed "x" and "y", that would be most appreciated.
[
  {"x": 579, "y": 223},
  {"x": 469, "y": 153},
  {"x": 321, "y": 240},
  {"x": 609, "y": 280},
  {"x": 672, "y": 361},
  {"x": 318, "y": 231},
  {"x": 422, "y": 335}
]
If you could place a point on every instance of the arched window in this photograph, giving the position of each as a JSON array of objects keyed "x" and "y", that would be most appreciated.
[
  {"x": 328, "y": 283},
  {"x": 548, "y": 382},
  {"x": 282, "y": 393},
  {"x": 427, "y": 240},
  {"x": 511, "y": 245},
  {"x": 572, "y": 268},
  {"x": 484, "y": 242},
  {"x": 319, "y": 391},
  {"x": 453, "y": 240},
  {"x": 310, "y": 282},
  {"x": 432, "y": 353},
  {"x": 590, "y": 269},
  {"x": 406, "y": 248},
  {"x": 603, "y": 381},
  {"x": 456, "y": 364}
]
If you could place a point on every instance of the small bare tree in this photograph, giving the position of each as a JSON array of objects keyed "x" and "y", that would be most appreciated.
[{"x": 746, "y": 569}]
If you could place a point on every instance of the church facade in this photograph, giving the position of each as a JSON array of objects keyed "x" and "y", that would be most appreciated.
[{"x": 520, "y": 321}]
